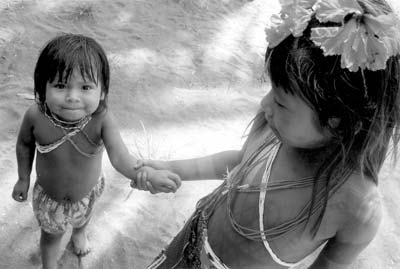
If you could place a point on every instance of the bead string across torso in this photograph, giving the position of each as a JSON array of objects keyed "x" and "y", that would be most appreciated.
[{"x": 69, "y": 129}]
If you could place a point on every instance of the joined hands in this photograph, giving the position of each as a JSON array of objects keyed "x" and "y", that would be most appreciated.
[{"x": 154, "y": 176}]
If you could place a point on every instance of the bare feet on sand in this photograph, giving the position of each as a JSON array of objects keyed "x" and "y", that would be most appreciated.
[{"x": 80, "y": 242}]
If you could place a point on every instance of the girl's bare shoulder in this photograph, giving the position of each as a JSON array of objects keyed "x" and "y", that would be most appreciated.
[
  {"x": 361, "y": 200},
  {"x": 358, "y": 213}
]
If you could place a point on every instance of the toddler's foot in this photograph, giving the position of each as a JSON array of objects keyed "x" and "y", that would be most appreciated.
[{"x": 80, "y": 242}]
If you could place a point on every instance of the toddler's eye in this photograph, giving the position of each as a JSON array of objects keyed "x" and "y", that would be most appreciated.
[
  {"x": 86, "y": 87},
  {"x": 59, "y": 86}
]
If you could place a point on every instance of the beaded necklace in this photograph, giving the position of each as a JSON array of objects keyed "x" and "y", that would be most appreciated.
[
  {"x": 70, "y": 129},
  {"x": 272, "y": 233},
  {"x": 66, "y": 125}
]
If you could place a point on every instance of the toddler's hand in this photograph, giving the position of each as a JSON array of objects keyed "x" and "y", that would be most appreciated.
[
  {"x": 139, "y": 164},
  {"x": 141, "y": 179},
  {"x": 162, "y": 181},
  {"x": 20, "y": 191}
]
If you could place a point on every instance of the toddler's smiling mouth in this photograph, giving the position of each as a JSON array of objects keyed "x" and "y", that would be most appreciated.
[{"x": 71, "y": 108}]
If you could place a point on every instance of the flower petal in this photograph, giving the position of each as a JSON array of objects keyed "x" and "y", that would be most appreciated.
[
  {"x": 287, "y": 2},
  {"x": 354, "y": 50},
  {"x": 293, "y": 19},
  {"x": 293, "y": 3},
  {"x": 363, "y": 41},
  {"x": 378, "y": 53},
  {"x": 332, "y": 39},
  {"x": 277, "y": 31},
  {"x": 386, "y": 27},
  {"x": 300, "y": 22},
  {"x": 335, "y": 10}
]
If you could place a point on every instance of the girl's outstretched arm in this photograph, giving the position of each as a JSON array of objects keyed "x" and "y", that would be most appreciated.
[
  {"x": 25, "y": 150},
  {"x": 209, "y": 167},
  {"x": 212, "y": 166}
]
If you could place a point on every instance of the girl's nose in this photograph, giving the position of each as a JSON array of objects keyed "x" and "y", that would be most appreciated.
[
  {"x": 72, "y": 95},
  {"x": 266, "y": 104}
]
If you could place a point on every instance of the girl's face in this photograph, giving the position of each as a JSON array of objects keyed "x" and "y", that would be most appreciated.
[
  {"x": 293, "y": 121},
  {"x": 74, "y": 99}
]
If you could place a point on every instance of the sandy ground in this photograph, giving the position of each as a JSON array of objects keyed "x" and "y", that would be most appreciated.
[{"x": 186, "y": 80}]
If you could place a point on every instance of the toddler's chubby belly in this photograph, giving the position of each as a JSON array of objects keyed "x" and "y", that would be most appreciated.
[
  {"x": 68, "y": 189},
  {"x": 68, "y": 185},
  {"x": 65, "y": 179}
]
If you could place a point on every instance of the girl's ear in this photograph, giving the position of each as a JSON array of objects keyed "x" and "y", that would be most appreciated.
[
  {"x": 333, "y": 122},
  {"x": 102, "y": 96}
]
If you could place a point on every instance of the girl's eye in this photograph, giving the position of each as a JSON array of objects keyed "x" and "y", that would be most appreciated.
[{"x": 279, "y": 104}]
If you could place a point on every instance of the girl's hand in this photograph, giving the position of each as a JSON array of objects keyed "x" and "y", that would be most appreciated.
[
  {"x": 156, "y": 164},
  {"x": 20, "y": 191}
]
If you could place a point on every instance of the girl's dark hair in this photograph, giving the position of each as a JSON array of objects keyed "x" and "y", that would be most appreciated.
[
  {"x": 365, "y": 104},
  {"x": 65, "y": 53}
]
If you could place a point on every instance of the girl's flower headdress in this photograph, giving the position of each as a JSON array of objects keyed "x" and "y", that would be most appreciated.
[{"x": 362, "y": 40}]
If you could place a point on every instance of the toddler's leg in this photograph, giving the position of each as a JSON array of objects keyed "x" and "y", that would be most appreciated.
[
  {"x": 50, "y": 247},
  {"x": 80, "y": 240},
  {"x": 79, "y": 236}
]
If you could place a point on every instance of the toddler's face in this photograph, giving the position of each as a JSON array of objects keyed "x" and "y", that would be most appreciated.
[
  {"x": 74, "y": 99},
  {"x": 293, "y": 121}
]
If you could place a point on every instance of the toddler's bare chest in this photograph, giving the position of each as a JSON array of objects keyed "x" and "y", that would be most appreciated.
[{"x": 66, "y": 141}]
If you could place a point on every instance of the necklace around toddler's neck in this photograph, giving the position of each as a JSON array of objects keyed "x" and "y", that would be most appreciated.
[
  {"x": 66, "y": 125},
  {"x": 69, "y": 129}
]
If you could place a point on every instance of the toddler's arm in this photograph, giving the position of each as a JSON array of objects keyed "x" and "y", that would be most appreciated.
[
  {"x": 120, "y": 157},
  {"x": 25, "y": 150}
]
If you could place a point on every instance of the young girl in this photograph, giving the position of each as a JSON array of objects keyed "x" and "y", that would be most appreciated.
[
  {"x": 307, "y": 174},
  {"x": 69, "y": 127}
]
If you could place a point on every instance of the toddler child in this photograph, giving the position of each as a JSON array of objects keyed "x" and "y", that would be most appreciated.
[{"x": 68, "y": 127}]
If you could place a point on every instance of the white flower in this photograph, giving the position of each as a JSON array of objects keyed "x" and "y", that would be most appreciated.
[
  {"x": 363, "y": 41},
  {"x": 336, "y": 10},
  {"x": 293, "y": 19}
]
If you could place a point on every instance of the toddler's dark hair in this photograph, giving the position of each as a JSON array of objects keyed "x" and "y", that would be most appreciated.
[{"x": 66, "y": 53}]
